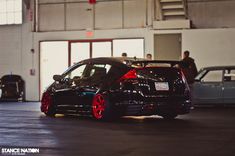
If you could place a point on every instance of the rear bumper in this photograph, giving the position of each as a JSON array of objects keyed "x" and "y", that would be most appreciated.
[{"x": 137, "y": 105}]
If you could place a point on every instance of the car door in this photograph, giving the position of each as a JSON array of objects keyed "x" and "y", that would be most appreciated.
[
  {"x": 85, "y": 82},
  {"x": 208, "y": 88},
  {"x": 229, "y": 86},
  {"x": 70, "y": 94}
]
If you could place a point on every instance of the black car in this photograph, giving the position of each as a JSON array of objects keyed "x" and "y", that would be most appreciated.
[
  {"x": 12, "y": 88},
  {"x": 107, "y": 88}
]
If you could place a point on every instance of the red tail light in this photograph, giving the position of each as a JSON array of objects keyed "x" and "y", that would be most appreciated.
[{"x": 129, "y": 75}]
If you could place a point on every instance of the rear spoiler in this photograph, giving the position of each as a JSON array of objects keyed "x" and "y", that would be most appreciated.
[{"x": 145, "y": 63}]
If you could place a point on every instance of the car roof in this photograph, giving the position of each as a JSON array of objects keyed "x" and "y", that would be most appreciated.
[
  {"x": 110, "y": 60},
  {"x": 128, "y": 61},
  {"x": 218, "y": 67},
  {"x": 11, "y": 78}
]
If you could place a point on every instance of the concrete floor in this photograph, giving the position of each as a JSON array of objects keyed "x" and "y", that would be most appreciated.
[{"x": 207, "y": 131}]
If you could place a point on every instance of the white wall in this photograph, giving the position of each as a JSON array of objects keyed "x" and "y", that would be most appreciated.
[
  {"x": 210, "y": 47},
  {"x": 15, "y": 55},
  {"x": 11, "y": 49},
  {"x": 80, "y": 15},
  {"x": 212, "y": 13},
  {"x": 207, "y": 46}
]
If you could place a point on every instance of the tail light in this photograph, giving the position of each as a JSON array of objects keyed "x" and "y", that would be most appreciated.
[{"x": 129, "y": 75}]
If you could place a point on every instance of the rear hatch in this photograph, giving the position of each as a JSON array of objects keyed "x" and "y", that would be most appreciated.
[{"x": 161, "y": 81}]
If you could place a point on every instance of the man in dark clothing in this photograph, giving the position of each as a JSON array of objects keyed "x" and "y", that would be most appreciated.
[{"x": 189, "y": 67}]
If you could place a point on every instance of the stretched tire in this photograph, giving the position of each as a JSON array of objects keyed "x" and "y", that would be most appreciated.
[{"x": 101, "y": 108}]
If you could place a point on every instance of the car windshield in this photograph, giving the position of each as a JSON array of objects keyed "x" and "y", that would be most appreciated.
[{"x": 201, "y": 74}]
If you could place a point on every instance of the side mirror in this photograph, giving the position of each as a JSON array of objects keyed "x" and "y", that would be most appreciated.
[{"x": 57, "y": 77}]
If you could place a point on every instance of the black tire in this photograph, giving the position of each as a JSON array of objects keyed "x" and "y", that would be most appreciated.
[
  {"x": 51, "y": 111},
  {"x": 104, "y": 112},
  {"x": 169, "y": 116}
]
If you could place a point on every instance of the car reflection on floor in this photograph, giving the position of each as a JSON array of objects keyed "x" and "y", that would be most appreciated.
[{"x": 23, "y": 125}]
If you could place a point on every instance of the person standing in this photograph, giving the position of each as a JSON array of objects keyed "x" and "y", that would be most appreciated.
[
  {"x": 189, "y": 67},
  {"x": 124, "y": 57},
  {"x": 149, "y": 56},
  {"x": 124, "y": 54}
]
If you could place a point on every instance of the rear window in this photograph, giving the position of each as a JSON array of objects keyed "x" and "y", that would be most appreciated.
[
  {"x": 160, "y": 63},
  {"x": 162, "y": 79},
  {"x": 160, "y": 73}
]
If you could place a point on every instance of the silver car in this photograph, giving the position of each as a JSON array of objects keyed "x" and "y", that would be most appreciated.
[{"x": 214, "y": 85}]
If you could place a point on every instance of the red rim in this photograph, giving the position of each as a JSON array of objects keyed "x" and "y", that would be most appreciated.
[
  {"x": 46, "y": 102},
  {"x": 98, "y": 106}
]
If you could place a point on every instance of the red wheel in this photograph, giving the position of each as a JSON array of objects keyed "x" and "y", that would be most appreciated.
[
  {"x": 98, "y": 106},
  {"x": 46, "y": 104}
]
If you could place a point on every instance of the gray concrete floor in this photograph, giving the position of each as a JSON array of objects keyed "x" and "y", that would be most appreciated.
[{"x": 205, "y": 131}]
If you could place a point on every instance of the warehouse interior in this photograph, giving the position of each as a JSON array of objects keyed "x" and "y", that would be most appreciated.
[
  {"x": 204, "y": 27},
  {"x": 42, "y": 38}
]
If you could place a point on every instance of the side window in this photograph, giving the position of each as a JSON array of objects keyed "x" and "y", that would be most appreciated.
[
  {"x": 98, "y": 70},
  {"x": 232, "y": 74},
  {"x": 229, "y": 75},
  {"x": 213, "y": 76},
  {"x": 77, "y": 72}
]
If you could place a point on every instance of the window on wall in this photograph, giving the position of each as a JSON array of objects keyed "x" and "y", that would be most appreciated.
[
  {"x": 133, "y": 47},
  {"x": 10, "y": 12},
  {"x": 101, "y": 49}
]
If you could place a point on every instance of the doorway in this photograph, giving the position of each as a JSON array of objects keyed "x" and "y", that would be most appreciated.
[
  {"x": 53, "y": 60},
  {"x": 167, "y": 46},
  {"x": 57, "y": 56},
  {"x": 80, "y": 50},
  {"x": 133, "y": 47}
]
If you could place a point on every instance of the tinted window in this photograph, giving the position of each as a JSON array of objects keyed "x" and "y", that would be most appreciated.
[
  {"x": 77, "y": 72},
  {"x": 98, "y": 70},
  {"x": 88, "y": 74},
  {"x": 213, "y": 76},
  {"x": 160, "y": 73}
]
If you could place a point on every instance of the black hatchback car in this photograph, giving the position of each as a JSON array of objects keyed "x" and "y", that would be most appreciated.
[
  {"x": 107, "y": 88},
  {"x": 12, "y": 88}
]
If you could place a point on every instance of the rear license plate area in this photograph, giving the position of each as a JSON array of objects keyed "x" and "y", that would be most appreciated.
[{"x": 161, "y": 86}]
